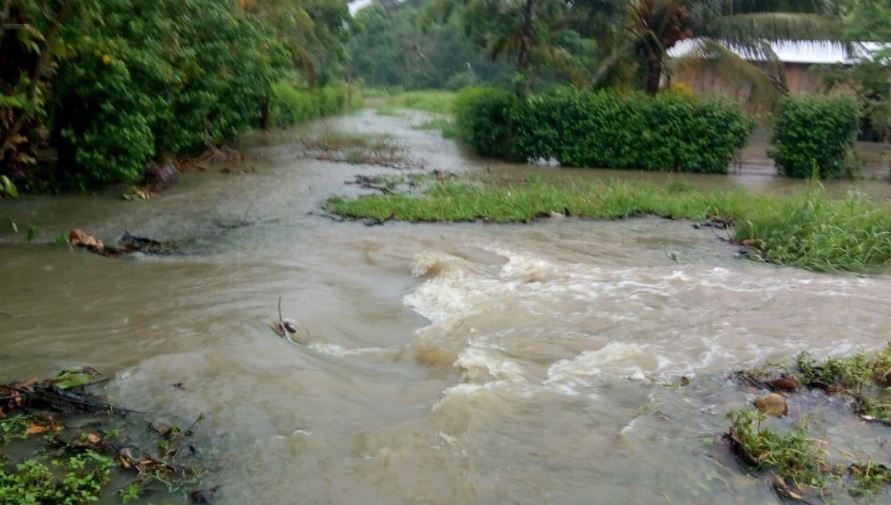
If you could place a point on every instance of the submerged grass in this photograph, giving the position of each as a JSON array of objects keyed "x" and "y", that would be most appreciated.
[
  {"x": 864, "y": 376},
  {"x": 810, "y": 230},
  {"x": 794, "y": 456},
  {"x": 356, "y": 148}
]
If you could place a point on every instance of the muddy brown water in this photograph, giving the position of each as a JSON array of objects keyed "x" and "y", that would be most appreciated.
[{"x": 443, "y": 364}]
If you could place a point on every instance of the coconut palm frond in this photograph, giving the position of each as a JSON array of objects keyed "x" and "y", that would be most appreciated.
[
  {"x": 764, "y": 85},
  {"x": 622, "y": 52},
  {"x": 775, "y": 26}
]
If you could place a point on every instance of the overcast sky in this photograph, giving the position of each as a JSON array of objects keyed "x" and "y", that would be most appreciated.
[{"x": 358, "y": 4}]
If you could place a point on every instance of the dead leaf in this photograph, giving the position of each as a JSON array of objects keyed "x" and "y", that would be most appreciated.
[
  {"x": 35, "y": 429},
  {"x": 93, "y": 438}
]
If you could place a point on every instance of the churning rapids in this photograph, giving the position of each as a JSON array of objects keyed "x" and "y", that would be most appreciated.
[{"x": 443, "y": 364}]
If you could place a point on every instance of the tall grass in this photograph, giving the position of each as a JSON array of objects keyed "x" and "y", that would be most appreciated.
[
  {"x": 291, "y": 105},
  {"x": 436, "y": 101},
  {"x": 809, "y": 230}
]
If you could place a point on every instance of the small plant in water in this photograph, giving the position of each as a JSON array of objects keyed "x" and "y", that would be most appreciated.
[
  {"x": 864, "y": 376},
  {"x": 794, "y": 457},
  {"x": 869, "y": 478}
]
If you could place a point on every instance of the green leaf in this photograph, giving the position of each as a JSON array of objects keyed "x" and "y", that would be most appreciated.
[
  {"x": 29, "y": 234},
  {"x": 8, "y": 187}
]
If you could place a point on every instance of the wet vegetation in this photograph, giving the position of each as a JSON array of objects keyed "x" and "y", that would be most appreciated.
[
  {"x": 800, "y": 462},
  {"x": 435, "y": 101},
  {"x": 62, "y": 445},
  {"x": 356, "y": 148},
  {"x": 670, "y": 132},
  {"x": 793, "y": 456},
  {"x": 811, "y": 230},
  {"x": 90, "y": 97},
  {"x": 815, "y": 134}
]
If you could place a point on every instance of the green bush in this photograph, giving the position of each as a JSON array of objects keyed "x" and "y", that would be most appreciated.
[
  {"x": 187, "y": 75},
  {"x": 291, "y": 105},
  {"x": 668, "y": 132},
  {"x": 484, "y": 120},
  {"x": 813, "y": 135}
]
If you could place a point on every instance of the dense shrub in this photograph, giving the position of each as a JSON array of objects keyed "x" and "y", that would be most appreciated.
[
  {"x": 113, "y": 85},
  {"x": 188, "y": 74},
  {"x": 291, "y": 105},
  {"x": 814, "y": 135},
  {"x": 484, "y": 120},
  {"x": 668, "y": 132}
]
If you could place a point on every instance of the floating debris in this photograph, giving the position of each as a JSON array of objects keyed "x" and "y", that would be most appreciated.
[
  {"x": 84, "y": 439},
  {"x": 128, "y": 244}
]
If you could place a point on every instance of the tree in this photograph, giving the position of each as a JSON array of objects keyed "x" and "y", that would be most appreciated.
[
  {"x": 722, "y": 29},
  {"x": 398, "y": 44},
  {"x": 537, "y": 36},
  {"x": 29, "y": 49},
  {"x": 867, "y": 20}
]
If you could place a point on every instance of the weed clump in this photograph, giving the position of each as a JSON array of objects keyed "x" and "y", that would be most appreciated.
[
  {"x": 354, "y": 148},
  {"x": 864, "y": 376},
  {"x": 794, "y": 457},
  {"x": 869, "y": 478}
]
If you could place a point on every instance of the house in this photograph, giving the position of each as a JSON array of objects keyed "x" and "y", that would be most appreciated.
[{"x": 804, "y": 64}]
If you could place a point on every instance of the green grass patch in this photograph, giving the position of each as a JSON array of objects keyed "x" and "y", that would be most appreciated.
[
  {"x": 437, "y": 101},
  {"x": 810, "y": 230},
  {"x": 446, "y": 127}
]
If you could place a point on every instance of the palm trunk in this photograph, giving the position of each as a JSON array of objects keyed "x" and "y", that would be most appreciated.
[
  {"x": 654, "y": 72},
  {"x": 527, "y": 41},
  {"x": 264, "y": 112}
]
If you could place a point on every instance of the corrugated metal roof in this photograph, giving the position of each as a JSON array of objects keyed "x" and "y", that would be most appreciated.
[{"x": 798, "y": 51}]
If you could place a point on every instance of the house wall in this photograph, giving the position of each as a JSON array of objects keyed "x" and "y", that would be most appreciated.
[{"x": 707, "y": 81}]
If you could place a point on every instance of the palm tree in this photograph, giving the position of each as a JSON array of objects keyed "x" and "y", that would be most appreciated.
[{"x": 721, "y": 31}]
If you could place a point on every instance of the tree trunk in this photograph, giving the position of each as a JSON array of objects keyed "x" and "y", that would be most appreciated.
[
  {"x": 654, "y": 72},
  {"x": 264, "y": 113},
  {"x": 527, "y": 41}
]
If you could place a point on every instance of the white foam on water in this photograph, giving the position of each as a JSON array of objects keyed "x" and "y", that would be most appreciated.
[
  {"x": 617, "y": 358},
  {"x": 550, "y": 324}
]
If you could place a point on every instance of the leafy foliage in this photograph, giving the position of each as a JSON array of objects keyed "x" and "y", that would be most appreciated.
[
  {"x": 868, "y": 79},
  {"x": 793, "y": 456},
  {"x": 399, "y": 45},
  {"x": 867, "y": 19},
  {"x": 484, "y": 117},
  {"x": 813, "y": 135},
  {"x": 669, "y": 132},
  {"x": 113, "y": 85},
  {"x": 79, "y": 480},
  {"x": 291, "y": 105}
]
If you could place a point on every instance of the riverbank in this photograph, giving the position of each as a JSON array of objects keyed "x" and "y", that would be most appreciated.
[{"x": 809, "y": 230}]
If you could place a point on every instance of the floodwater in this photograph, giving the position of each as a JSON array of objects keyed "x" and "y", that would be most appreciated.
[{"x": 440, "y": 364}]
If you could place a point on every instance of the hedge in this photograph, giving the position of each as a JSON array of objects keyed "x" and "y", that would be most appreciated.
[
  {"x": 484, "y": 120},
  {"x": 667, "y": 132},
  {"x": 813, "y": 135},
  {"x": 291, "y": 105}
]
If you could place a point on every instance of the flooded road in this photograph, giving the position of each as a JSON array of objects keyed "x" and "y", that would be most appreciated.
[{"x": 442, "y": 364}]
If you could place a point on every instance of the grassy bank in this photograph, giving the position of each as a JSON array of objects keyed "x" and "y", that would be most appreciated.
[
  {"x": 436, "y": 101},
  {"x": 810, "y": 230}
]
